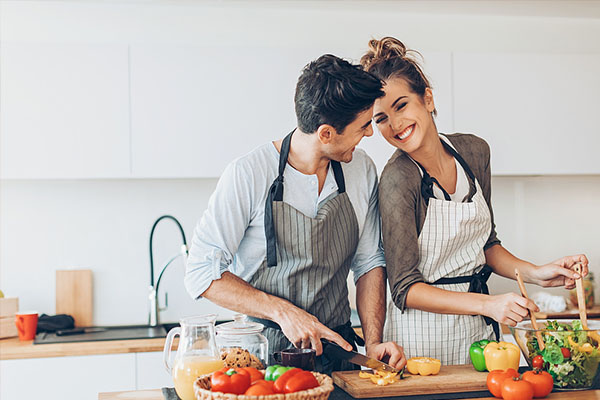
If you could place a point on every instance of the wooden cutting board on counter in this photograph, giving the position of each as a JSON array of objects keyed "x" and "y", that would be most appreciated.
[
  {"x": 74, "y": 295},
  {"x": 573, "y": 313},
  {"x": 451, "y": 379}
]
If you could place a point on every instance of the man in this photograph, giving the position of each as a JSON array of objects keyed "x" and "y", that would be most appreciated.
[{"x": 283, "y": 256}]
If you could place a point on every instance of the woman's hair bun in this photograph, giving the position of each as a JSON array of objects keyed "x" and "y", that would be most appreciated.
[{"x": 383, "y": 49}]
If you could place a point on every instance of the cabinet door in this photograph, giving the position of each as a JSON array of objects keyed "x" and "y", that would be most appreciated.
[
  {"x": 438, "y": 69},
  {"x": 151, "y": 371},
  {"x": 66, "y": 378},
  {"x": 537, "y": 111},
  {"x": 65, "y": 111},
  {"x": 195, "y": 109}
]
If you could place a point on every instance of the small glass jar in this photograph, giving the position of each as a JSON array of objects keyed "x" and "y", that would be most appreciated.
[
  {"x": 588, "y": 290},
  {"x": 245, "y": 335}
]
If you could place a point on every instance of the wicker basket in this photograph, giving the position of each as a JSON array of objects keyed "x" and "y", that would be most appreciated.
[{"x": 321, "y": 392}]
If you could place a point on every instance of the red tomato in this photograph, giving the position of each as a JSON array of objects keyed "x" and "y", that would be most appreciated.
[
  {"x": 495, "y": 379},
  {"x": 517, "y": 389},
  {"x": 301, "y": 381},
  {"x": 565, "y": 352},
  {"x": 541, "y": 381},
  {"x": 255, "y": 375},
  {"x": 537, "y": 362},
  {"x": 282, "y": 380},
  {"x": 259, "y": 389}
]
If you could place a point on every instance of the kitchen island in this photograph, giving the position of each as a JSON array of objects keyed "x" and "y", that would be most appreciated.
[{"x": 339, "y": 394}]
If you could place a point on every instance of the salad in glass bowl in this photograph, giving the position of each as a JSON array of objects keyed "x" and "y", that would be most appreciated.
[{"x": 571, "y": 354}]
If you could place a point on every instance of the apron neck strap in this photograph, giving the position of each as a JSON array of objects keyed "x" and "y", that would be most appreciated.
[
  {"x": 427, "y": 181},
  {"x": 276, "y": 194}
]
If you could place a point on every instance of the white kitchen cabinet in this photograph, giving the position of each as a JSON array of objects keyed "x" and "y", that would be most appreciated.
[
  {"x": 65, "y": 111},
  {"x": 151, "y": 372},
  {"x": 538, "y": 112},
  {"x": 66, "y": 378},
  {"x": 194, "y": 108}
]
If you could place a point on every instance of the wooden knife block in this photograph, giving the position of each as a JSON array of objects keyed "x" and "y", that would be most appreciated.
[{"x": 74, "y": 295}]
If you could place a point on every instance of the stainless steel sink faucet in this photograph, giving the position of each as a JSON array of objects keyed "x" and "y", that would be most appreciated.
[{"x": 153, "y": 289}]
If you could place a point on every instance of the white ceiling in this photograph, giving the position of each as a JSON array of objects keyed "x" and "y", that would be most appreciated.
[{"x": 526, "y": 8}]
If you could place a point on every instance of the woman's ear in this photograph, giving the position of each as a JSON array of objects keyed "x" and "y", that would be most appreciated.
[
  {"x": 428, "y": 100},
  {"x": 325, "y": 133}
]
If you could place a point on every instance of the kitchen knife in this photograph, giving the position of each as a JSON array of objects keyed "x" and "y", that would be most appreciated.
[{"x": 336, "y": 351}]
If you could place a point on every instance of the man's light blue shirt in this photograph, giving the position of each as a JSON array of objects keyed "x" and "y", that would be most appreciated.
[{"x": 230, "y": 236}]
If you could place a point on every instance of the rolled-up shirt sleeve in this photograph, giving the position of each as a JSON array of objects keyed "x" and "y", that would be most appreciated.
[
  {"x": 219, "y": 232},
  {"x": 398, "y": 200},
  {"x": 369, "y": 251}
]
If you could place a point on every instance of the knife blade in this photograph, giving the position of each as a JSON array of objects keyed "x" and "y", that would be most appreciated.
[{"x": 336, "y": 351}]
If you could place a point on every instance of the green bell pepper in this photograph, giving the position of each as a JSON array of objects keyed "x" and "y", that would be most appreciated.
[
  {"x": 476, "y": 354},
  {"x": 269, "y": 372}
]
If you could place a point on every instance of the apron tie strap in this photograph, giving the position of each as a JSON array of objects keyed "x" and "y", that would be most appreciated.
[
  {"x": 275, "y": 194},
  {"x": 477, "y": 284}
]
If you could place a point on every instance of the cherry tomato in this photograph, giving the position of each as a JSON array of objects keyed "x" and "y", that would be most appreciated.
[
  {"x": 517, "y": 389},
  {"x": 541, "y": 381},
  {"x": 537, "y": 362},
  {"x": 565, "y": 352},
  {"x": 496, "y": 377}
]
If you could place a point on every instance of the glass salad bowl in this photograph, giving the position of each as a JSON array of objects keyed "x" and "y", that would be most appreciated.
[{"x": 571, "y": 354}]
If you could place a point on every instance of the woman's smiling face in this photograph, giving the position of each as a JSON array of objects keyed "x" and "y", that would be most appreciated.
[{"x": 404, "y": 117}]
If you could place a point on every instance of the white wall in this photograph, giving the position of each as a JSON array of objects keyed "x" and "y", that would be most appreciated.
[{"x": 104, "y": 224}]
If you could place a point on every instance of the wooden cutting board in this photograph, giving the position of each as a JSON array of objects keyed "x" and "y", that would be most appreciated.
[
  {"x": 74, "y": 295},
  {"x": 451, "y": 379},
  {"x": 593, "y": 312}
]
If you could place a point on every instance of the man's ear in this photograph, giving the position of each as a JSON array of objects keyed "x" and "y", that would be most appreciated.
[{"x": 325, "y": 133}]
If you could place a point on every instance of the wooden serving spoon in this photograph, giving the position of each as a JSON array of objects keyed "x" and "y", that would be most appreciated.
[
  {"x": 581, "y": 297},
  {"x": 538, "y": 334}
]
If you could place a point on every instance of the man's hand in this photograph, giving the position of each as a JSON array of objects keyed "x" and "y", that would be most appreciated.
[
  {"x": 305, "y": 331},
  {"x": 388, "y": 352}
]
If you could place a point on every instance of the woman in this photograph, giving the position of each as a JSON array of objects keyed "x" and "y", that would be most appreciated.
[{"x": 438, "y": 229}]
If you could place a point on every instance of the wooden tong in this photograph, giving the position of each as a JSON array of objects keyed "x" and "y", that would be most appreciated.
[
  {"x": 538, "y": 334},
  {"x": 580, "y": 297}
]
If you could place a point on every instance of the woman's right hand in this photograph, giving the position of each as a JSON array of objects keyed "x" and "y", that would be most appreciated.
[{"x": 508, "y": 308}]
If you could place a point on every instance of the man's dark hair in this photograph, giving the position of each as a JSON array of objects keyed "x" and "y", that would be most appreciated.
[{"x": 332, "y": 91}]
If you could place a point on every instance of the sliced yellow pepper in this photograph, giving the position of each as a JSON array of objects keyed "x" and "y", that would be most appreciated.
[
  {"x": 594, "y": 335},
  {"x": 501, "y": 355},
  {"x": 423, "y": 366},
  {"x": 380, "y": 378},
  {"x": 584, "y": 348}
]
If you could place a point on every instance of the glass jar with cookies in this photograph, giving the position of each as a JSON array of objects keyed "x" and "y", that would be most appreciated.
[{"x": 241, "y": 343}]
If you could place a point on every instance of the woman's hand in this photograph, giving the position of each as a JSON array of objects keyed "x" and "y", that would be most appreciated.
[
  {"x": 509, "y": 308},
  {"x": 559, "y": 272}
]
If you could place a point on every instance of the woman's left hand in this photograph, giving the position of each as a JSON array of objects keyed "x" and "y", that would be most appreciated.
[{"x": 560, "y": 272}]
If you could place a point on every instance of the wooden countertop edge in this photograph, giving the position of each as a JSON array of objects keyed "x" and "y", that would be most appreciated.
[
  {"x": 156, "y": 394},
  {"x": 13, "y": 349}
]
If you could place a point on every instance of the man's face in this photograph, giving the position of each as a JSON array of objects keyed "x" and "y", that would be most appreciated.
[{"x": 341, "y": 146}]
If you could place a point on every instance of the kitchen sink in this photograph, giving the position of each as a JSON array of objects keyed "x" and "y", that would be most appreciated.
[{"x": 102, "y": 333}]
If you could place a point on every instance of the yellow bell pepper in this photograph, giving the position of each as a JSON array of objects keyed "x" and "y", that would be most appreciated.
[
  {"x": 501, "y": 355},
  {"x": 423, "y": 366}
]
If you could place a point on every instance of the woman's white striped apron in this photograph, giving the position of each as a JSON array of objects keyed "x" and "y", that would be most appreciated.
[{"x": 450, "y": 245}]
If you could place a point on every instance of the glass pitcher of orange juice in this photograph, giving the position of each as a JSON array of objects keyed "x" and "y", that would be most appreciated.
[{"x": 197, "y": 353}]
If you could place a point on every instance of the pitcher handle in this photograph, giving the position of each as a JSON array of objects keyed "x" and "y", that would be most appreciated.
[{"x": 168, "y": 343}]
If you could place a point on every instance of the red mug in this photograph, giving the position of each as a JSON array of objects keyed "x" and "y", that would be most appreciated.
[{"x": 26, "y": 323}]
